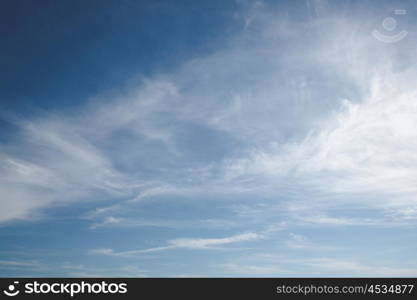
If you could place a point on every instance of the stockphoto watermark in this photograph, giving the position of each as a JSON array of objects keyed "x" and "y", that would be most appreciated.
[
  {"x": 389, "y": 24},
  {"x": 71, "y": 289}
]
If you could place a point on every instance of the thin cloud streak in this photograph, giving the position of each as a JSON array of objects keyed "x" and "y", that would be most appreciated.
[{"x": 184, "y": 243}]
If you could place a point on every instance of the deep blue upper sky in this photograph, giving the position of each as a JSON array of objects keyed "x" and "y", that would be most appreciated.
[{"x": 57, "y": 53}]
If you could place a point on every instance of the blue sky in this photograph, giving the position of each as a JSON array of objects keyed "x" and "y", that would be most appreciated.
[{"x": 208, "y": 138}]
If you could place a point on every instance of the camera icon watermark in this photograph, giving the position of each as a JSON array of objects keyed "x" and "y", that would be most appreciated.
[
  {"x": 11, "y": 290},
  {"x": 389, "y": 24}
]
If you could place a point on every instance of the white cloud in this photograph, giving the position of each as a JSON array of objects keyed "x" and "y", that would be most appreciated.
[
  {"x": 249, "y": 270},
  {"x": 184, "y": 243},
  {"x": 14, "y": 263},
  {"x": 281, "y": 107},
  {"x": 301, "y": 242},
  {"x": 364, "y": 155},
  {"x": 286, "y": 264},
  {"x": 339, "y": 265},
  {"x": 110, "y": 221},
  {"x": 338, "y": 221},
  {"x": 348, "y": 266},
  {"x": 207, "y": 243},
  {"x": 297, "y": 241}
]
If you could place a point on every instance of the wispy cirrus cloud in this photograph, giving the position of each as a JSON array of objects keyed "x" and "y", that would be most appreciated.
[
  {"x": 184, "y": 243},
  {"x": 366, "y": 150},
  {"x": 14, "y": 263},
  {"x": 264, "y": 119}
]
